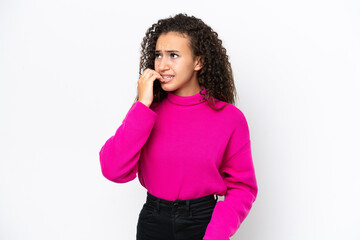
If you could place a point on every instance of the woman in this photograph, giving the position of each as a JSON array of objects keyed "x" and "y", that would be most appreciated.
[{"x": 184, "y": 138}]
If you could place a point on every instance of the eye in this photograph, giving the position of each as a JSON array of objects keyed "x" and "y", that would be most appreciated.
[
  {"x": 174, "y": 55},
  {"x": 157, "y": 55}
]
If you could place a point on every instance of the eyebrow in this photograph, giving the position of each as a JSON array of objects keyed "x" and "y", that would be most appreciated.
[{"x": 168, "y": 51}]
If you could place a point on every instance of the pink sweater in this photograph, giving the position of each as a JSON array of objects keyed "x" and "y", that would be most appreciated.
[{"x": 180, "y": 148}]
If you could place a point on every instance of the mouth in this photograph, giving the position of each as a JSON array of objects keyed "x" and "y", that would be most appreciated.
[{"x": 167, "y": 78}]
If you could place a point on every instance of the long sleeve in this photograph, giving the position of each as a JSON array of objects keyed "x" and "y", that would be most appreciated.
[
  {"x": 120, "y": 154},
  {"x": 238, "y": 174}
]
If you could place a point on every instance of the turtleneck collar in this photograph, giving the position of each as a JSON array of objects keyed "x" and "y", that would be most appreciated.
[{"x": 187, "y": 100}]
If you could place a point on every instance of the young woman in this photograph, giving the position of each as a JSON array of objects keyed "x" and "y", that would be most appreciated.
[{"x": 184, "y": 138}]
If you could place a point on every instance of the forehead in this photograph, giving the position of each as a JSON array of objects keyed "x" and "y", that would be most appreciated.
[{"x": 173, "y": 41}]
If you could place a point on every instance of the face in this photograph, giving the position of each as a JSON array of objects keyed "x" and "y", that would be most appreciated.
[{"x": 175, "y": 62}]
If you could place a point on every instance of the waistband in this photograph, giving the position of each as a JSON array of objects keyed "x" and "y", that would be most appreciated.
[
  {"x": 179, "y": 202},
  {"x": 173, "y": 205}
]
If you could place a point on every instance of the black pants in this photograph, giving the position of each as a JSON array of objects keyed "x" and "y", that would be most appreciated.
[{"x": 160, "y": 219}]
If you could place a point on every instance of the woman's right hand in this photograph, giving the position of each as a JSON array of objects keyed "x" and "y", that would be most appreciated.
[{"x": 145, "y": 86}]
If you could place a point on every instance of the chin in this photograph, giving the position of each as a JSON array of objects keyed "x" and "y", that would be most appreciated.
[{"x": 168, "y": 88}]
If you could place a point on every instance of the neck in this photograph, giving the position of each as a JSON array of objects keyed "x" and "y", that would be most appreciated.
[{"x": 193, "y": 99}]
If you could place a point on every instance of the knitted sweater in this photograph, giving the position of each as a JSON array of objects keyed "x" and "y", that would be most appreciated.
[{"x": 181, "y": 148}]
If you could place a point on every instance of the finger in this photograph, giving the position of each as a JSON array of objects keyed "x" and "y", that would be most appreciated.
[
  {"x": 145, "y": 72},
  {"x": 152, "y": 74},
  {"x": 157, "y": 75}
]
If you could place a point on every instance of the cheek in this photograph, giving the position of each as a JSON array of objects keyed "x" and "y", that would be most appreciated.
[
  {"x": 156, "y": 64},
  {"x": 180, "y": 65},
  {"x": 185, "y": 67}
]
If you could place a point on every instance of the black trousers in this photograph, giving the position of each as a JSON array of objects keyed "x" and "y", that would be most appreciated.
[{"x": 160, "y": 219}]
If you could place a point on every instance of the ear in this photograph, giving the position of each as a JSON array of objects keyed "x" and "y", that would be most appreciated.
[{"x": 198, "y": 63}]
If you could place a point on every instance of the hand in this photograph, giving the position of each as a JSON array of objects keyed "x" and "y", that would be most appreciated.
[{"x": 145, "y": 86}]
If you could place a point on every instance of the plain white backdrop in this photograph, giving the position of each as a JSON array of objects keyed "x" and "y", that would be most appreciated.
[{"x": 69, "y": 72}]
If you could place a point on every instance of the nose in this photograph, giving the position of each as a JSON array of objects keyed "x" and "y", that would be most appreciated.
[{"x": 162, "y": 64}]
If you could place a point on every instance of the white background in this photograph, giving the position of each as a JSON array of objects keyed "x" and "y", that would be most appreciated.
[{"x": 69, "y": 72}]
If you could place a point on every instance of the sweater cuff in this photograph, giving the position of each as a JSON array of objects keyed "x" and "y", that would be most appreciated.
[
  {"x": 143, "y": 107},
  {"x": 223, "y": 224},
  {"x": 140, "y": 119}
]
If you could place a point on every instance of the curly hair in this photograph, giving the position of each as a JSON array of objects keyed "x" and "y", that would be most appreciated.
[{"x": 215, "y": 75}]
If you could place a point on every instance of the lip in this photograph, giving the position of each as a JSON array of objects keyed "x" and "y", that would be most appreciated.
[{"x": 168, "y": 78}]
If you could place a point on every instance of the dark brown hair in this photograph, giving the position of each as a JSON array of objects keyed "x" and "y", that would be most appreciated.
[{"x": 215, "y": 75}]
